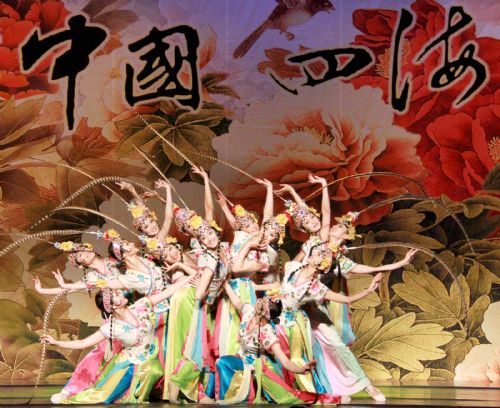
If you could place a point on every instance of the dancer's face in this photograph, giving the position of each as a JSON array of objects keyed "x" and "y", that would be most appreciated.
[
  {"x": 171, "y": 254},
  {"x": 311, "y": 223},
  {"x": 249, "y": 225},
  {"x": 118, "y": 299},
  {"x": 317, "y": 258},
  {"x": 338, "y": 232},
  {"x": 209, "y": 238},
  {"x": 150, "y": 227},
  {"x": 270, "y": 234},
  {"x": 128, "y": 248},
  {"x": 85, "y": 257}
]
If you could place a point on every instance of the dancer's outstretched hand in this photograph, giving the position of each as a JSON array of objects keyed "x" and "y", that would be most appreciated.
[
  {"x": 316, "y": 180},
  {"x": 47, "y": 339},
  {"x": 59, "y": 279},
  {"x": 375, "y": 282},
  {"x": 264, "y": 182},
  {"x": 309, "y": 365},
  {"x": 160, "y": 183},
  {"x": 200, "y": 171},
  {"x": 38, "y": 285},
  {"x": 125, "y": 185},
  {"x": 409, "y": 256},
  {"x": 221, "y": 199},
  {"x": 285, "y": 188}
]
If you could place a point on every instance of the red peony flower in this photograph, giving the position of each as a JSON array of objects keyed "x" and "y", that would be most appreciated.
[
  {"x": 17, "y": 20},
  {"x": 429, "y": 109}
]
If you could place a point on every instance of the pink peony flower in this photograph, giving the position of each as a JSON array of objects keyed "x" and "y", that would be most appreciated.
[{"x": 330, "y": 130}]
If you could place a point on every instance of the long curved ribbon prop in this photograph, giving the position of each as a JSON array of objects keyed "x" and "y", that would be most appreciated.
[
  {"x": 154, "y": 166},
  {"x": 422, "y": 198},
  {"x": 86, "y": 187},
  {"x": 370, "y": 173},
  {"x": 100, "y": 214},
  {"x": 232, "y": 166},
  {"x": 180, "y": 153},
  {"x": 37, "y": 235},
  {"x": 426, "y": 251}
]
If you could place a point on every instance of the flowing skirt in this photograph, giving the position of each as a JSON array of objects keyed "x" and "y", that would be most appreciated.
[
  {"x": 227, "y": 319},
  {"x": 182, "y": 305},
  {"x": 236, "y": 383},
  {"x": 122, "y": 381},
  {"x": 88, "y": 369},
  {"x": 194, "y": 375}
]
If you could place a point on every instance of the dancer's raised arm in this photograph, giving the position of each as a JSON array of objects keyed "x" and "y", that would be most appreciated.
[
  {"x": 169, "y": 209},
  {"x": 89, "y": 341},
  {"x": 340, "y": 298},
  {"x": 226, "y": 210},
  {"x": 287, "y": 188},
  {"x": 241, "y": 266},
  {"x": 209, "y": 202},
  {"x": 360, "y": 268},
  {"x": 125, "y": 185},
  {"x": 269, "y": 204},
  {"x": 325, "y": 206}
]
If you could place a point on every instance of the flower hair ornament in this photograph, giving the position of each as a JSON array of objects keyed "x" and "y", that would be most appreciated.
[
  {"x": 262, "y": 308},
  {"x": 140, "y": 214},
  {"x": 73, "y": 248},
  {"x": 327, "y": 255},
  {"x": 155, "y": 247},
  {"x": 113, "y": 236},
  {"x": 241, "y": 215},
  {"x": 299, "y": 212},
  {"x": 182, "y": 217},
  {"x": 199, "y": 226},
  {"x": 278, "y": 224},
  {"x": 274, "y": 294},
  {"x": 347, "y": 220},
  {"x": 107, "y": 299}
]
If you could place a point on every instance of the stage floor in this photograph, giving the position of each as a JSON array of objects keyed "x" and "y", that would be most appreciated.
[{"x": 435, "y": 394}]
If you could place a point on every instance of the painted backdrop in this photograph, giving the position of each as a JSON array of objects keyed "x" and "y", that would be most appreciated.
[{"x": 280, "y": 89}]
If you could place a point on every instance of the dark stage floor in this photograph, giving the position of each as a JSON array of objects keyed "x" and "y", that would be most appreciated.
[{"x": 435, "y": 394}]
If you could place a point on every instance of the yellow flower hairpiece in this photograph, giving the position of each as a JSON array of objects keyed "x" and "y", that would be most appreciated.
[
  {"x": 274, "y": 294},
  {"x": 170, "y": 240},
  {"x": 314, "y": 211},
  {"x": 112, "y": 233},
  {"x": 195, "y": 222},
  {"x": 239, "y": 210},
  {"x": 151, "y": 243},
  {"x": 136, "y": 211},
  {"x": 281, "y": 219},
  {"x": 66, "y": 246},
  {"x": 325, "y": 263},
  {"x": 213, "y": 224},
  {"x": 101, "y": 283}
]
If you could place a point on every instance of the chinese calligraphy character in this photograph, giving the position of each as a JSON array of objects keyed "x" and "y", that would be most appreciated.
[
  {"x": 158, "y": 72},
  {"x": 84, "y": 40},
  {"x": 451, "y": 69},
  {"x": 360, "y": 59}
]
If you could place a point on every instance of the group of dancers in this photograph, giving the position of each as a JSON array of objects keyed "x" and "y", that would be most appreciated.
[{"x": 219, "y": 322}]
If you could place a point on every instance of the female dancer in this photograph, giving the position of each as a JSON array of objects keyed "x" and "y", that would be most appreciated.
[
  {"x": 84, "y": 257},
  {"x": 306, "y": 218},
  {"x": 338, "y": 370},
  {"x": 253, "y": 371},
  {"x": 144, "y": 219},
  {"x": 343, "y": 268},
  {"x": 132, "y": 373},
  {"x": 245, "y": 225},
  {"x": 193, "y": 375}
]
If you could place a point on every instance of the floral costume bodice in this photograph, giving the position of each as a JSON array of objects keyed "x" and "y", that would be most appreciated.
[
  {"x": 346, "y": 264},
  {"x": 293, "y": 296},
  {"x": 94, "y": 278},
  {"x": 240, "y": 239},
  {"x": 139, "y": 342},
  {"x": 146, "y": 282},
  {"x": 255, "y": 341},
  {"x": 208, "y": 260}
]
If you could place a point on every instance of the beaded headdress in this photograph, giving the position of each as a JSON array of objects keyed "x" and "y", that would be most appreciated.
[
  {"x": 73, "y": 248},
  {"x": 324, "y": 250},
  {"x": 299, "y": 212},
  {"x": 140, "y": 214},
  {"x": 278, "y": 223},
  {"x": 106, "y": 300},
  {"x": 182, "y": 217},
  {"x": 199, "y": 226},
  {"x": 155, "y": 247},
  {"x": 113, "y": 236},
  {"x": 241, "y": 215},
  {"x": 347, "y": 220}
]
